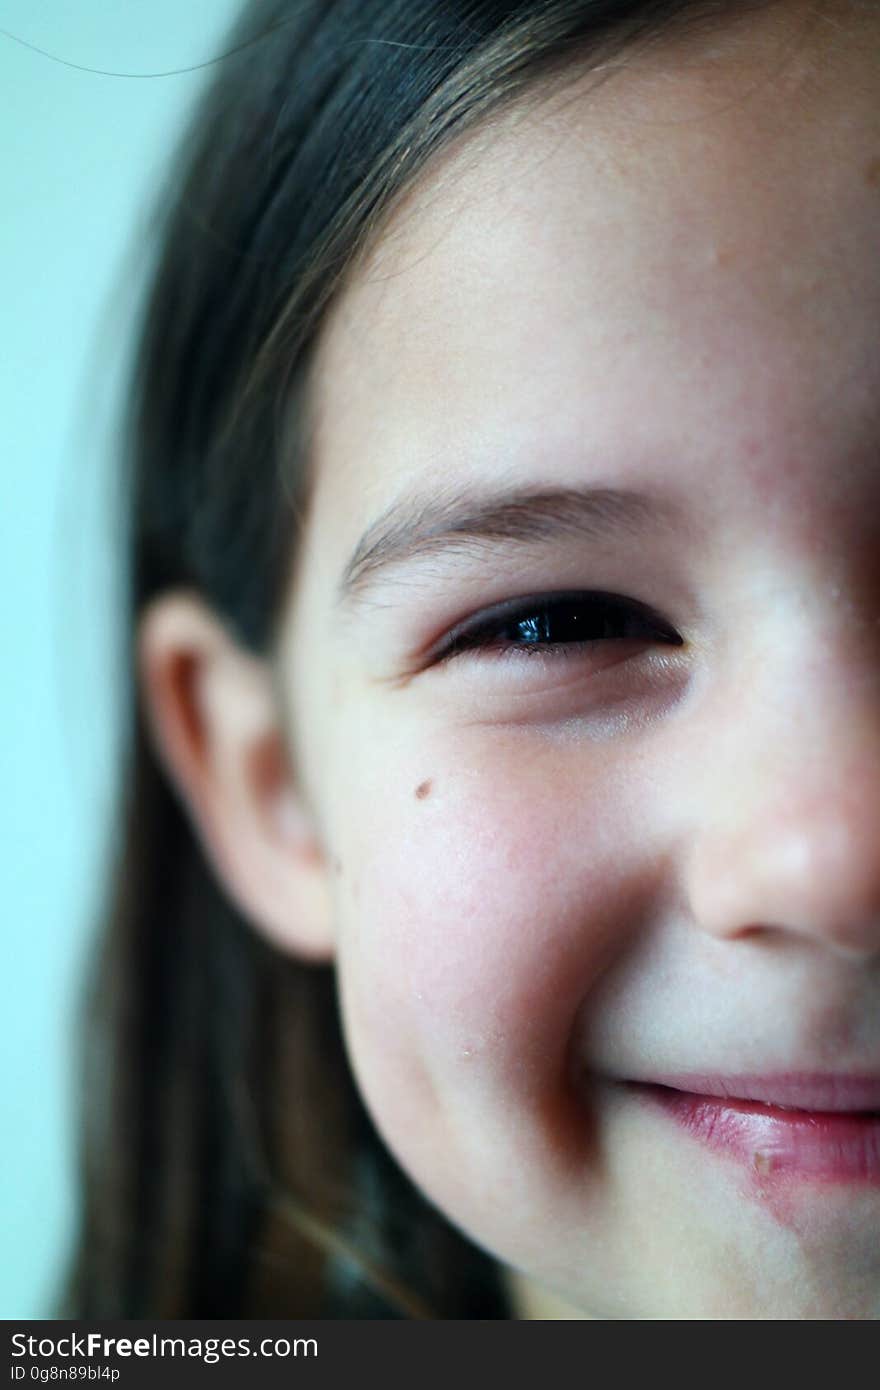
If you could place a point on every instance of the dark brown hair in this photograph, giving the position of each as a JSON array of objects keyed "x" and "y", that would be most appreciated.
[{"x": 229, "y": 1167}]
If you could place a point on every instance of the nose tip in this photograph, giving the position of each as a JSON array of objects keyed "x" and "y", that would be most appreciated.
[
  {"x": 810, "y": 874},
  {"x": 787, "y": 837}
]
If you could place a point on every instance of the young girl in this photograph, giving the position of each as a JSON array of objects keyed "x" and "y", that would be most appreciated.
[{"x": 496, "y": 918}]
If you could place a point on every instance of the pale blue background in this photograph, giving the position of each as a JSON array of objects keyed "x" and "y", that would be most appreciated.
[{"x": 79, "y": 154}]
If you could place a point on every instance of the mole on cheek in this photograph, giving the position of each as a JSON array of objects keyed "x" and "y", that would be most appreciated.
[
  {"x": 423, "y": 790},
  {"x": 872, "y": 172}
]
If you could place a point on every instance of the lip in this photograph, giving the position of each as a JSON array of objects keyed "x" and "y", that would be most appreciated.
[{"x": 816, "y": 1128}]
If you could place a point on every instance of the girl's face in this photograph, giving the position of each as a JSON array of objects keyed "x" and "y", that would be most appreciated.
[{"x": 623, "y": 344}]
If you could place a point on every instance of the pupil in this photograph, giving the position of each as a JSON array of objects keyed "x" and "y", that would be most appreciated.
[
  {"x": 557, "y": 624},
  {"x": 533, "y": 629}
]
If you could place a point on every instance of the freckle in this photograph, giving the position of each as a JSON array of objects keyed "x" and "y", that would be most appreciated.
[
  {"x": 872, "y": 172},
  {"x": 423, "y": 790},
  {"x": 720, "y": 256}
]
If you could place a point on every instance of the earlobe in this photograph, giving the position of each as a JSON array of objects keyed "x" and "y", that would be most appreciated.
[{"x": 212, "y": 712}]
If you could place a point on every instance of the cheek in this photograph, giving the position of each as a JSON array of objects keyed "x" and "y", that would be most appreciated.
[{"x": 473, "y": 922}]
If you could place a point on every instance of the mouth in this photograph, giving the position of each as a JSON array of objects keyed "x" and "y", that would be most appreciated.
[{"x": 816, "y": 1128}]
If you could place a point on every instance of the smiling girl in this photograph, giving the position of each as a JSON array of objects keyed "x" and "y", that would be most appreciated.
[{"x": 496, "y": 921}]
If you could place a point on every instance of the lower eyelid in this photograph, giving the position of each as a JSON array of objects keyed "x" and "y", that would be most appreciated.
[
  {"x": 517, "y": 676},
  {"x": 501, "y": 649},
  {"x": 630, "y": 686}
]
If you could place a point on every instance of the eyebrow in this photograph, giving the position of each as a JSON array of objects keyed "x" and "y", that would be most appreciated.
[{"x": 468, "y": 521}]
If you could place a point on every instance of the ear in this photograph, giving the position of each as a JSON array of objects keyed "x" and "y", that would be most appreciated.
[{"x": 212, "y": 713}]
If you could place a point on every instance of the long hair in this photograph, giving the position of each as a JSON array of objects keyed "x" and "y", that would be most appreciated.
[{"x": 229, "y": 1168}]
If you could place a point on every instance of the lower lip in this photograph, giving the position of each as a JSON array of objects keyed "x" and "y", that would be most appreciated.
[{"x": 818, "y": 1146}]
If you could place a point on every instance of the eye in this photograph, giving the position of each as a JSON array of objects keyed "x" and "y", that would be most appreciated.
[{"x": 553, "y": 625}]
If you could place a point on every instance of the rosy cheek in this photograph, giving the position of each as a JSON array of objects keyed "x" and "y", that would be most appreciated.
[{"x": 479, "y": 916}]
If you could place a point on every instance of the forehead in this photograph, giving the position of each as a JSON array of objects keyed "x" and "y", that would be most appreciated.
[{"x": 610, "y": 245}]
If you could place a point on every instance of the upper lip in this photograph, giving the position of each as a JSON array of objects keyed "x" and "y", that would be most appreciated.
[{"x": 790, "y": 1090}]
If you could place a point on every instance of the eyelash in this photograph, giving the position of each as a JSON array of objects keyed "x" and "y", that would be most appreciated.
[{"x": 537, "y": 615}]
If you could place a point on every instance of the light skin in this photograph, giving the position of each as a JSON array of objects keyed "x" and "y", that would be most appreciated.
[{"x": 543, "y": 873}]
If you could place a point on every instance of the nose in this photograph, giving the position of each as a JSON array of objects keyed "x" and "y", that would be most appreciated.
[{"x": 787, "y": 838}]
